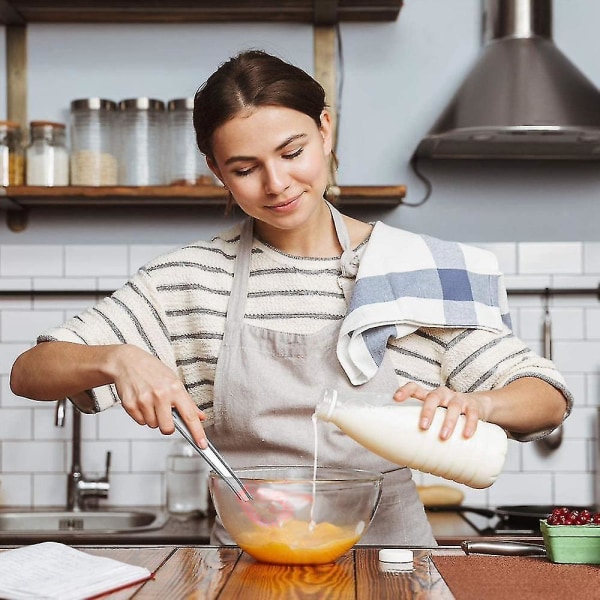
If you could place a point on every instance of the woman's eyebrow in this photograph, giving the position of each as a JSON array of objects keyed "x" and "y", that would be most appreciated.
[
  {"x": 281, "y": 146},
  {"x": 291, "y": 139}
]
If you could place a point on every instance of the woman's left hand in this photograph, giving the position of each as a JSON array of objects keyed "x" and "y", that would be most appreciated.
[{"x": 471, "y": 405}]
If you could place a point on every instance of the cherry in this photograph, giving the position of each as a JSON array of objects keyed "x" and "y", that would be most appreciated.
[{"x": 564, "y": 516}]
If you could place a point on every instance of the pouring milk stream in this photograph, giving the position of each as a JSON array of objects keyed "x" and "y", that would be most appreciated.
[{"x": 391, "y": 430}]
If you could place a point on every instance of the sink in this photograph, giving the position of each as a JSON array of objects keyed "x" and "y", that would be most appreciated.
[{"x": 107, "y": 521}]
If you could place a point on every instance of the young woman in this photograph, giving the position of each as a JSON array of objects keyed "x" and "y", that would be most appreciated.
[{"x": 241, "y": 333}]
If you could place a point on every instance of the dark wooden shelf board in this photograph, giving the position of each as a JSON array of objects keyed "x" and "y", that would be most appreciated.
[
  {"x": 17, "y": 201},
  {"x": 18, "y": 12}
]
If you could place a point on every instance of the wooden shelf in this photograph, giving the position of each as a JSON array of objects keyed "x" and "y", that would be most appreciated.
[
  {"x": 318, "y": 12},
  {"x": 18, "y": 200}
]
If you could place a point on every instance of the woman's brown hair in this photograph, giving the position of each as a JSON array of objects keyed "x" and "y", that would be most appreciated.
[{"x": 251, "y": 79}]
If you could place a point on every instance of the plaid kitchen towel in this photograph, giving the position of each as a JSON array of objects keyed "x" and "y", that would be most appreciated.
[{"x": 406, "y": 281}]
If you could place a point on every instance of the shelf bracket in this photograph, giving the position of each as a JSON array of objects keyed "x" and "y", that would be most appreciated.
[
  {"x": 16, "y": 106},
  {"x": 325, "y": 12},
  {"x": 16, "y": 215},
  {"x": 17, "y": 219},
  {"x": 325, "y": 62},
  {"x": 16, "y": 70}
]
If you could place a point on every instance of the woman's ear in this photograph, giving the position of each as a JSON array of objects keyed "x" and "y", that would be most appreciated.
[
  {"x": 326, "y": 130},
  {"x": 213, "y": 167}
]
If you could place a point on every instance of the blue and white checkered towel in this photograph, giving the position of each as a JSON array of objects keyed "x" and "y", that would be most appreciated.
[{"x": 406, "y": 281}]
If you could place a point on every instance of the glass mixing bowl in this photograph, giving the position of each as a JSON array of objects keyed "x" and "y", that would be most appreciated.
[{"x": 293, "y": 519}]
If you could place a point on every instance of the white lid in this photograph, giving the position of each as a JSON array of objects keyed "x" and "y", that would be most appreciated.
[{"x": 395, "y": 555}]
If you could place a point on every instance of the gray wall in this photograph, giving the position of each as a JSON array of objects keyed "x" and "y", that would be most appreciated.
[
  {"x": 397, "y": 78},
  {"x": 540, "y": 220}
]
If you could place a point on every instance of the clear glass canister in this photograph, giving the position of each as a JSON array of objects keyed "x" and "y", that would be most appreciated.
[
  {"x": 93, "y": 149},
  {"x": 186, "y": 165},
  {"x": 11, "y": 154},
  {"x": 141, "y": 128},
  {"x": 186, "y": 482},
  {"x": 47, "y": 158}
]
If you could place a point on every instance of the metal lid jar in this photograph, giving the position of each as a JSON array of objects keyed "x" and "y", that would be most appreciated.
[
  {"x": 141, "y": 128},
  {"x": 93, "y": 149},
  {"x": 186, "y": 165},
  {"x": 11, "y": 154},
  {"x": 47, "y": 158}
]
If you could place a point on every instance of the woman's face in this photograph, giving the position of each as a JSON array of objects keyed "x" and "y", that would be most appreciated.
[{"x": 274, "y": 160}]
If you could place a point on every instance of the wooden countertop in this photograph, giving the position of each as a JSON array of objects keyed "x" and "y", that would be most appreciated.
[{"x": 227, "y": 573}]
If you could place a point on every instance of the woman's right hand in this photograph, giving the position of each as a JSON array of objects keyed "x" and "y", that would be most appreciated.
[{"x": 148, "y": 390}]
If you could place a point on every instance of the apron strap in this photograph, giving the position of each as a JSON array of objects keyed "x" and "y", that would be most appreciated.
[{"x": 349, "y": 258}]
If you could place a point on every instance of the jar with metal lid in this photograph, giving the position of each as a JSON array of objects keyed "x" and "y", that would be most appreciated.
[
  {"x": 94, "y": 159},
  {"x": 11, "y": 154},
  {"x": 141, "y": 128},
  {"x": 47, "y": 158},
  {"x": 186, "y": 165}
]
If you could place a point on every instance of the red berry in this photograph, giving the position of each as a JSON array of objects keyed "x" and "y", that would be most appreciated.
[
  {"x": 561, "y": 515},
  {"x": 581, "y": 520}
]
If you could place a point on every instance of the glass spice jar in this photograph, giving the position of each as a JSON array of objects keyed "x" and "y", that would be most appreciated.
[
  {"x": 11, "y": 154},
  {"x": 186, "y": 165},
  {"x": 47, "y": 158},
  {"x": 94, "y": 159},
  {"x": 141, "y": 129}
]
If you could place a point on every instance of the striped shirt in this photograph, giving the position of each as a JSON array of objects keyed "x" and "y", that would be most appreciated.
[{"x": 175, "y": 308}]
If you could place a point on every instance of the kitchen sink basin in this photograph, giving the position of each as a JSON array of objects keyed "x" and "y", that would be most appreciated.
[{"x": 107, "y": 521}]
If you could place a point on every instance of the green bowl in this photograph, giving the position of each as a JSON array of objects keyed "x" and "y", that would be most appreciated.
[{"x": 575, "y": 544}]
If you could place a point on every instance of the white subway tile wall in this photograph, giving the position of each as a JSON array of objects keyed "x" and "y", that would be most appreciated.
[{"x": 35, "y": 454}]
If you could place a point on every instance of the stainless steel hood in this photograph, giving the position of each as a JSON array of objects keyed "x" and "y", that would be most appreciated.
[{"x": 523, "y": 99}]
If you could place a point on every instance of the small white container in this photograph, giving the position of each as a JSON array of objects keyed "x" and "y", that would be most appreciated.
[
  {"x": 47, "y": 157},
  {"x": 391, "y": 430}
]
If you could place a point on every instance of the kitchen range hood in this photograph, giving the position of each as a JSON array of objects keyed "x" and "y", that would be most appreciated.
[{"x": 524, "y": 99}]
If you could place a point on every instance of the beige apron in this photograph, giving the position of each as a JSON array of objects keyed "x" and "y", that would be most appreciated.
[{"x": 267, "y": 384}]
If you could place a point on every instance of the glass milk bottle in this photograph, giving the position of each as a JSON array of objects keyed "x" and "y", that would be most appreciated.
[
  {"x": 391, "y": 430},
  {"x": 47, "y": 158}
]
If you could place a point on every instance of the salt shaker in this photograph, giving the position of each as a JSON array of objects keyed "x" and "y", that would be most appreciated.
[{"x": 47, "y": 158}]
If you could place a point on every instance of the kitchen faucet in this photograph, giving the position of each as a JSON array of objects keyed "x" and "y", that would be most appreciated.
[{"x": 79, "y": 487}]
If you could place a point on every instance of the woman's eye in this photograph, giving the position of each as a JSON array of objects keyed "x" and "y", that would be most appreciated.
[
  {"x": 244, "y": 172},
  {"x": 294, "y": 154}
]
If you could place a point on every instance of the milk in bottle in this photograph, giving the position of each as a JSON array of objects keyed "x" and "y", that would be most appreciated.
[{"x": 391, "y": 430}]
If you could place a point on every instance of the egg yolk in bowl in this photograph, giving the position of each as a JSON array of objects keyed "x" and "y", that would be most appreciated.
[{"x": 297, "y": 542}]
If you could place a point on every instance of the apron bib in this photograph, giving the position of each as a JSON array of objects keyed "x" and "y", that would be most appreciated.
[{"x": 267, "y": 384}]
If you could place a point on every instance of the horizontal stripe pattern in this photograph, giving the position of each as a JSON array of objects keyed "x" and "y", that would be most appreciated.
[{"x": 175, "y": 308}]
